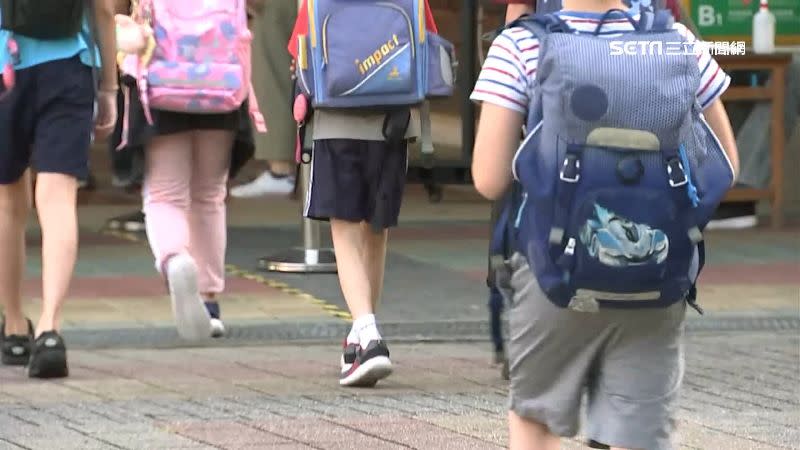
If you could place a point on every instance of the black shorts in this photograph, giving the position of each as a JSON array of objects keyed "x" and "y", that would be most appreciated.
[
  {"x": 46, "y": 121},
  {"x": 168, "y": 122},
  {"x": 357, "y": 181}
]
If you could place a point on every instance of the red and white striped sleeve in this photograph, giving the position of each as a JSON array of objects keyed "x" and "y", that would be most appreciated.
[
  {"x": 713, "y": 80},
  {"x": 508, "y": 71}
]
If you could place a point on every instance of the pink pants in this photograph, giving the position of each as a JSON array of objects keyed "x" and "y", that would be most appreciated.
[{"x": 184, "y": 200}]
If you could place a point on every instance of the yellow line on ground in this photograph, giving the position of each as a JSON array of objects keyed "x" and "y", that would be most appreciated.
[
  {"x": 237, "y": 271},
  {"x": 329, "y": 308}
]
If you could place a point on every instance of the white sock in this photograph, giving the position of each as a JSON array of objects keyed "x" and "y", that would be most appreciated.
[
  {"x": 366, "y": 329},
  {"x": 358, "y": 324},
  {"x": 368, "y": 334},
  {"x": 352, "y": 338}
]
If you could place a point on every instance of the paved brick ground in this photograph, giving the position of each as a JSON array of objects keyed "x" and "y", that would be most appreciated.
[{"x": 741, "y": 391}]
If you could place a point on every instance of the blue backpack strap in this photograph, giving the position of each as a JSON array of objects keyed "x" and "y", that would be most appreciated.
[
  {"x": 500, "y": 241},
  {"x": 498, "y": 244},
  {"x": 653, "y": 19},
  {"x": 691, "y": 297},
  {"x": 606, "y": 16},
  {"x": 663, "y": 21},
  {"x": 542, "y": 24}
]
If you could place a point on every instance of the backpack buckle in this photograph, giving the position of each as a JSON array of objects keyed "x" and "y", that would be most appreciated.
[
  {"x": 571, "y": 169},
  {"x": 677, "y": 176}
]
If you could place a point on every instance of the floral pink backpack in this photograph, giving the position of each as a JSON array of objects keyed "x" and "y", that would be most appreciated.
[{"x": 194, "y": 57}]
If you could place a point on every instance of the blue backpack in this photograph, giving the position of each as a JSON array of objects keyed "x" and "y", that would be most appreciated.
[
  {"x": 619, "y": 171},
  {"x": 372, "y": 54}
]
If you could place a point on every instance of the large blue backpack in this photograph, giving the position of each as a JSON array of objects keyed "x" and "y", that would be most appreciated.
[
  {"x": 372, "y": 54},
  {"x": 619, "y": 172}
]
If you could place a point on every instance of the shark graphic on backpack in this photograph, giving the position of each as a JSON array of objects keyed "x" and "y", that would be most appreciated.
[
  {"x": 369, "y": 54},
  {"x": 619, "y": 171}
]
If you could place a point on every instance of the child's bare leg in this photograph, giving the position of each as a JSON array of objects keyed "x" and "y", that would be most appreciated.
[
  {"x": 526, "y": 434},
  {"x": 351, "y": 247},
  {"x": 375, "y": 260},
  {"x": 356, "y": 246},
  {"x": 14, "y": 208},
  {"x": 56, "y": 200}
]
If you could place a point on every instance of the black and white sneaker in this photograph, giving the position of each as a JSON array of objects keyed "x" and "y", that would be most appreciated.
[
  {"x": 349, "y": 354},
  {"x": 15, "y": 350},
  {"x": 370, "y": 365},
  {"x": 49, "y": 357},
  {"x": 217, "y": 327},
  {"x": 734, "y": 216},
  {"x": 133, "y": 222}
]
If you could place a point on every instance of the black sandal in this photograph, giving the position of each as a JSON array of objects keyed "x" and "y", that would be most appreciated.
[{"x": 15, "y": 350}]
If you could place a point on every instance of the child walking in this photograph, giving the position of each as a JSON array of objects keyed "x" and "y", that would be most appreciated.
[
  {"x": 46, "y": 120},
  {"x": 621, "y": 169},
  {"x": 358, "y": 178},
  {"x": 190, "y": 143}
]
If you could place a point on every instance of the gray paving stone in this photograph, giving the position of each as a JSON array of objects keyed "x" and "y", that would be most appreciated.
[
  {"x": 151, "y": 439},
  {"x": 737, "y": 395},
  {"x": 74, "y": 441}
]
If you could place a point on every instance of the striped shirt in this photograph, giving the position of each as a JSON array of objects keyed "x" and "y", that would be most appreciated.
[{"x": 510, "y": 67}]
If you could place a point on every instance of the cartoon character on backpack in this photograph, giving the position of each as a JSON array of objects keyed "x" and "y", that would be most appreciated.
[{"x": 618, "y": 242}]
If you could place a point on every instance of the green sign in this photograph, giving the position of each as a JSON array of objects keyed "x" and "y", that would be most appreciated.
[{"x": 734, "y": 18}]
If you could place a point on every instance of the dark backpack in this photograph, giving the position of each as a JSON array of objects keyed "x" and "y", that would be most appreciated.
[{"x": 43, "y": 19}]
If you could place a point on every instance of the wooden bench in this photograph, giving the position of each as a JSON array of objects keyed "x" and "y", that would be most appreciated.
[{"x": 776, "y": 64}]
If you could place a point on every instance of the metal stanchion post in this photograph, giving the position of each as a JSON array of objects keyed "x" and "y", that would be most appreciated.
[{"x": 309, "y": 258}]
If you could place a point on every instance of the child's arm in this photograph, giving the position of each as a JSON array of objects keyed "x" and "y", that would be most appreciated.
[
  {"x": 502, "y": 90},
  {"x": 495, "y": 144},
  {"x": 714, "y": 82},
  {"x": 718, "y": 120},
  {"x": 106, "y": 41}
]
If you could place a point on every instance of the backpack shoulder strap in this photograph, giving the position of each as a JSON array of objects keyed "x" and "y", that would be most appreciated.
[
  {"x": 655, "y": 20},
  {"x": 663, "y": 21},
  {"x": 542, "y": 24}
]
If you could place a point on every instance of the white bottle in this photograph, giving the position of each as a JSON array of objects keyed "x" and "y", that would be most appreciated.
[{"x": 764, "y": 30}]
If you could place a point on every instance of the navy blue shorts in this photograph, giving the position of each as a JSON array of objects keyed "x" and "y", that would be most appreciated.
[
  {"x": 357, "y": 181},
  {"x": 46, "y": 121}
]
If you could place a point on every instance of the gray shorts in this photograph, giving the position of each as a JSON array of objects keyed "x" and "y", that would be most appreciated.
[{"x": 629, "y": 362}]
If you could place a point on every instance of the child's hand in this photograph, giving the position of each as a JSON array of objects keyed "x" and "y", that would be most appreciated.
[
  {"x": 131, "y": 37},
  {"x": 106, "y": 117}
]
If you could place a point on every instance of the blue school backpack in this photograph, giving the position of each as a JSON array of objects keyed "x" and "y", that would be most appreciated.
[
  {"x": 619, "y": 172},
  {"x": 373, "y": 54}
]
